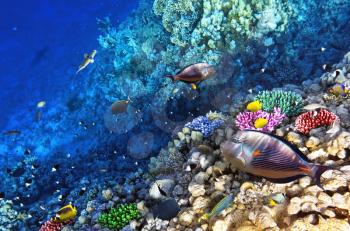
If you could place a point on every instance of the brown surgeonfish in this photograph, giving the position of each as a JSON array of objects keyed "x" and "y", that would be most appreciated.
[
  {"x": 194, "y": 74},
  {"x": 120, "y": 106},
  {"x": 271, "y": 157}
]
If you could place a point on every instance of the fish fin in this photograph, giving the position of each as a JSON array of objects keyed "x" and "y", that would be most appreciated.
[
  {"x": 86, "y": 55},
  {"x": 320, "y": 170},
  {"x": 172, "y": 77},
  {"x": 284, "y": 180},
  {"x": 294, "y": 148}
]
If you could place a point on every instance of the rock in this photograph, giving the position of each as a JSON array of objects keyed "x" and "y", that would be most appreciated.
[
  {"x": 222, "y": 183},
  {"x": 187, "y": 217},
  {"x": 328, "y": 213},
  {"x": 324, "y": 200},
  {"x": 294, "y": 138},
  {"x": 305, "y": 181},
  {"x": 295, "y": 190},
  {"x": 178, "y": 190},
  {"x": 320, "y": 153},
  {"x": 82, "y": 219},
  {"x": 181, "y": 136},
  {"x": 221, "y": 166},
  {"x": 246, "y": 185},
  {"x": 166, "y": 185},
  {"x": 309, "y": 198},
  {"x": 294, "y": 206},
  {"x": 196, "y": 189},
  {"x": 220, "y": 225},
  {"x": 201, "y": 177},
  {"x": 196, "y": 136},
  {"x": 200, "y": 203},
  {"x": 107, "y": 194},
  {"x": 205, "y": 161},
  {"x": 141, "y": 207},
  {"x": 312, "y": 142},
  {"x": 334, "y": 183},
  {"x": 265, "y": 221},
  {"x": 339, "y": 201},
  {"x": 308, "y": 207},
  {"x": 186, "y": 130}
]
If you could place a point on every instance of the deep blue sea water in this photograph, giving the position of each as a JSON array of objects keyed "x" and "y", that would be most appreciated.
[{"x": 42, "y": 44}]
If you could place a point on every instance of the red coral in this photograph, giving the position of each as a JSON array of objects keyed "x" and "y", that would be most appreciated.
[
  {"x": 313, "y": 119},
  {"x": 51, "y": 226}
]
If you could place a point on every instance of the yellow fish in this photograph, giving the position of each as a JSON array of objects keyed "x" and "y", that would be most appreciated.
[
  {"x": 260, "y": 123},
  {"x": 88, "y": 58},
  {"x": 65, "y": 214},
  {"x": 254, "y": 106},
  {"x": 41, "y": 104}
]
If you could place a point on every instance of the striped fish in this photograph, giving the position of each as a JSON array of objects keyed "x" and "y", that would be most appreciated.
[{"x": 271, "y": 157}]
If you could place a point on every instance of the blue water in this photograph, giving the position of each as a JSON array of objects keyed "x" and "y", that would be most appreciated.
[{"x": 42, "y": 44}]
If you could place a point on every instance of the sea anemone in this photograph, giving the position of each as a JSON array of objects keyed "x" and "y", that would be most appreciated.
[
  {"x": 313, "y": 119},
  {"x": 260, "y": 120}
]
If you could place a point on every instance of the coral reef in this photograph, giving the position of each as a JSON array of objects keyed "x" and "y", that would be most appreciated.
[
  {"x": 118, "y": 218},
  {"x": 51, "y": 225},
  {"x": 313, "y": 119},
  {"x": 205, "y": 125},
  {"x": 8, "y": 216},
  {"x": 245, "y": 120},
  {"x": 213, "y": 26},
  {"x": 289, "y": 102}
]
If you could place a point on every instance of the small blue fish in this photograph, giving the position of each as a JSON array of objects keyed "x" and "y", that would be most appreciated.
[{"x": 271, "y": 157}]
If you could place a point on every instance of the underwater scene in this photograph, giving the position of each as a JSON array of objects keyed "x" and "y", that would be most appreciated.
[{"x": 175, "y": 115}]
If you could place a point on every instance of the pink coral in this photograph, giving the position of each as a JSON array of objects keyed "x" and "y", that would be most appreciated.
[
  {"x": 245, "y": 120},
  {"x": 313, "y": 119},
  {"x": 51, "y": 225}
]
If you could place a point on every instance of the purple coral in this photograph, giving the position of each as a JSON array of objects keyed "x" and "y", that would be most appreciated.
[
  {"x": 245, "y": 120},
  {"x": 204, "y": 125}
]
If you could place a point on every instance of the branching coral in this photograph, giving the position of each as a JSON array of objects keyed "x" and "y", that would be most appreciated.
[
  {"x": 289, "y": 102},
  {"x": 217, "y": 24},
  {"x": 205, "y": 125},
  {"x": 117, "y": 218},
  {"x": 245, "y": 120},
  {"x": 313, "y": 119}
]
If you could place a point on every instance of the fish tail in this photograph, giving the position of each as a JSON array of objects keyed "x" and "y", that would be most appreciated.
[
  {"x": 318, "y": 173},
  {"x": 170, "y": 76}
]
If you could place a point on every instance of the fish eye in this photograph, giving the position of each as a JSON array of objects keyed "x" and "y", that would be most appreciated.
[{"x": 236, "y": 140}]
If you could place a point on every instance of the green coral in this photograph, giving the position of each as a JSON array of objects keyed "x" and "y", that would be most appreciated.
[
  {"x": 290, "y": 102},
  {"x": 117, "y": 218}
]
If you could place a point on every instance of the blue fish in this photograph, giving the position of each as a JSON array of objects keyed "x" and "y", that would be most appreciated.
[{"x": 271, "y": 157}]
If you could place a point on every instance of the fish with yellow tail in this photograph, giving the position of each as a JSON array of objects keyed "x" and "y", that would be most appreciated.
[
  {"x": 88, "y": 59},
  {"x": 65, "y": 214},
  {"x": 223, "y": 204},
  {"x": 271, "y": 157},
  {"x": 193, "y": 74},
  {"x": 254, "y": 106}
]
